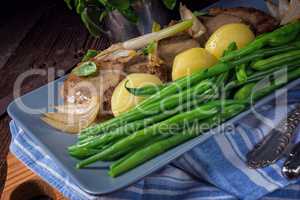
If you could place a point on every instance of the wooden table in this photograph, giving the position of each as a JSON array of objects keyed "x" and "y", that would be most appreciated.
[
  {"x": 18, "y": 175},
  {"x": 35, "y": 35},
  {"x": 38, "y": 34}
]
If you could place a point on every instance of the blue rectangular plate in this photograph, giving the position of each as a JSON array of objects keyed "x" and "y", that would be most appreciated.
[{"x": 95, "y": 179}]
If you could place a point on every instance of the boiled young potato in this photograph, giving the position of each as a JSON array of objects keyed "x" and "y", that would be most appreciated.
[
  {"x": 191, "y": 61},
  {"x": 221, "y": 38},
  {"x": 122, "y": 100}
]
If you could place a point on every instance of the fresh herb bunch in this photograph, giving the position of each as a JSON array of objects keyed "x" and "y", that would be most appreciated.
[{"x": 93, "y": 12}]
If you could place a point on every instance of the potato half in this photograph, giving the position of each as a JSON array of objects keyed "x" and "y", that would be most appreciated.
[
  {"x": 122, "y": 100},
  {"x": 221, "y": 38},
  {"x": 191, "y": 61}
]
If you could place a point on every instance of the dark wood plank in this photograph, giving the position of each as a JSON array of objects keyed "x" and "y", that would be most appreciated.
[
  {"x": 16, "y": 23},
  {"x": 42, "y": 35},
  {"x": 3, "y": 174},
  {"x": 5, "y": 141},
  {"x": 54, "y": 41}
]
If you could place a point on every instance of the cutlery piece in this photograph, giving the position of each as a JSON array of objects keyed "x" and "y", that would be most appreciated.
[
  {"x": 276, "y": 143},
  {"x": 291, "y": 167}
]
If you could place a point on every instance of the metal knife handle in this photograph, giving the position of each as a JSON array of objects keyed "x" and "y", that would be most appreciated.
[
  {"x": 273, "y": 146},
  {"x": 291, "y": 167}
]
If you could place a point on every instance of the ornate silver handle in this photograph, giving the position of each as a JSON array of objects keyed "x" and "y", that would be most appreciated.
[
  {"x": 274, "y": 145},
  {"x": 291, "y": 167}
]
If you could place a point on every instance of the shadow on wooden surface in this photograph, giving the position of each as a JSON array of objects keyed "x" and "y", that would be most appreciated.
[{"x": 22, "y": 183}]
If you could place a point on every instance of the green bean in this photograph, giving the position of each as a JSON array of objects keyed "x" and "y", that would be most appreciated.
[
  {"x": 279, "y": 82},
  {"x": 84, "y": 152},
  {"x": 147, "y": 153},
  {"x": 122, "y": 130},
  {"x": 276, "y": 60},
  {"x": 221, "y": 80},
  {"x": 244, "y": 92},
  {"x": 262, "y": 53},
  {"x": 278, "y": 37},
  {"x": 262, "y": 74},
  {"x": 146, "y": 90},
  {"x": 133, "y": 160},
  {"x": 231, "y": 47},
  {"x": 240, "y": 72},
  {"x": 152, "y": 141},
  {"x": 283, "y": 39},
  {"x": 139, "y": 137}
]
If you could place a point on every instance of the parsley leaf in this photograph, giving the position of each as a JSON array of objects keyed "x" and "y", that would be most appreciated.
[{"x": 85, "y": 69}]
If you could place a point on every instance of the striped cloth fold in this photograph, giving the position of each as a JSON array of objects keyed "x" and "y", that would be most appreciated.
[{"x": 214, "y": 169}]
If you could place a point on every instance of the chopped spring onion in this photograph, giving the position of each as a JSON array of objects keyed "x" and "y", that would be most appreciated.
[{"x": 144, "y": 40}]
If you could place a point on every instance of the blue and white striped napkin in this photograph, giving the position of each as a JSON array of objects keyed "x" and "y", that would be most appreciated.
[{"x": 215, "y": 169}]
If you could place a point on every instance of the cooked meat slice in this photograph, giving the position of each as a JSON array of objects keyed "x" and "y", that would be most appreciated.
[
  {"x": 170, "y": 47},
  {"x": 107, "y": 100},
  {"x": 260, "y": 21},
  {"x": 140, "y": 64},
  {"x": 77, "y": 89},
  {"x": 213, "y": 23}
]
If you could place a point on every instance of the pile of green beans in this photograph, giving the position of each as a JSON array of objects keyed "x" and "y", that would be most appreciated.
[
  {"x": 157, "y": 148},
  {"x": 121, "y": 132},
  {"x": 207, "y": 97},
  {"x": 138, "y": 138}
]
